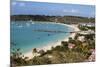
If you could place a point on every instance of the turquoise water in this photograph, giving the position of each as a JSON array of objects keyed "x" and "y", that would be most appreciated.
[{"x": 25, "y": 38}]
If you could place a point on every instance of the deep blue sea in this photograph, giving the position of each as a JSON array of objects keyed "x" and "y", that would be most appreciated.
[{"x": 24, "y": 36}]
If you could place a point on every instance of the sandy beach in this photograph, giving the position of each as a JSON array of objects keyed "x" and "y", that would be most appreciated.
[{"x": 48, "y": 47}]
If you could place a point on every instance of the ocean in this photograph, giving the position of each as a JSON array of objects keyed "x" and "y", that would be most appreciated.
[{"x": 27, "y": 35}]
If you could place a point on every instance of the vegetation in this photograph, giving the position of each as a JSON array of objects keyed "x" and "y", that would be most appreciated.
[
  {"x": 59, "y": 54},
  {"x": 71, "y": 51},
  {"x": 17, "y": 58},
  {"x": 60, "y": 19}
]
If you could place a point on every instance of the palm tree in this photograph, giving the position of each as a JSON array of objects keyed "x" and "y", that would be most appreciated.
[
  {"x": 64, "y": 43},
  {"x": 17, "y": 57},
  {"x": 41, "y": 52},
  {"x": 34, "y": 50}
]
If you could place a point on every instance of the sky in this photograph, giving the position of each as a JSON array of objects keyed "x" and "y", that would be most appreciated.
[{"x": 51, "y": 9}]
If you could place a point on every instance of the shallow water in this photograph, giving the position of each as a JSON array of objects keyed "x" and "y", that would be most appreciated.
[{"x": 25, "y": 38}]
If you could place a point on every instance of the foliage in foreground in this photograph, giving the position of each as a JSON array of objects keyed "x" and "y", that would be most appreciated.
[
  {"x": 78, "y": 52},
  {"x": 59, "y": 54}
]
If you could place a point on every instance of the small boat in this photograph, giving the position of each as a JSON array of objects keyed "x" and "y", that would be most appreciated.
[
  {"x": 27, "y": 24},
  {"x": 33, "y": 23},
  {"x": 30, "y": 21}
]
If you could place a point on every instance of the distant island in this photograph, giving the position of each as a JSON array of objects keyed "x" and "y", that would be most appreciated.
[{"x": 59, "y": 19}]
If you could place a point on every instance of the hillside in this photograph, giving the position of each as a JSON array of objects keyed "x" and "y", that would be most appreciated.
[{"x": 63, "y": 19}]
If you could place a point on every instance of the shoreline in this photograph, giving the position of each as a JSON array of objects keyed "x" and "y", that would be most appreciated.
[{"x": 50, "y": 45}]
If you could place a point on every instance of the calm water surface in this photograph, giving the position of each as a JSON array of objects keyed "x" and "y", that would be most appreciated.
[{"x": 25, "y": 38}]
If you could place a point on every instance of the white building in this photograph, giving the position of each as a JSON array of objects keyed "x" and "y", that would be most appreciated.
[
  {"x": 87, "y": 32},
  {"x": 81, "y": 38},
  {"x": 87, "y": 24}
]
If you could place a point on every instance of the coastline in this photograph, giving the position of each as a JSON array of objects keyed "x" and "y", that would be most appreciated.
[{"x": 48, "y": 47}]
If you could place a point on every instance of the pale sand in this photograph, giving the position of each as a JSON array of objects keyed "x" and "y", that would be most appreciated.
[{"x": 48, "y": 47}]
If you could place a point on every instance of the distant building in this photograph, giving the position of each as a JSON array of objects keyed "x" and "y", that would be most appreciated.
[
  {"x": 87, "y": 32},
  {"x": 87, "y": 24},
  {"x": 92, "y": 51},
  {"x": 81, "y": 38},
  {"x": 91, "y": 31},
  {"x": 92, "y": 56},
  {"x": 70, "y": 45}
]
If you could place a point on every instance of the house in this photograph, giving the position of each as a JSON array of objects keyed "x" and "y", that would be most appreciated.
[
  {"x": 90, "y": 24},
  {"x": 92, "y": 56},
  {"x": 81, "y": 38},
  {"x": 87, "y": 32},
  {"x": 70, "y": 45},
  {"x": 87, "y": 24}
]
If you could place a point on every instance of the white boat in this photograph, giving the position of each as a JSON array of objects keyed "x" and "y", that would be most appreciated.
[
  {"x": 33, "y": 23},
  {"x": 27, "y": 24}
]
